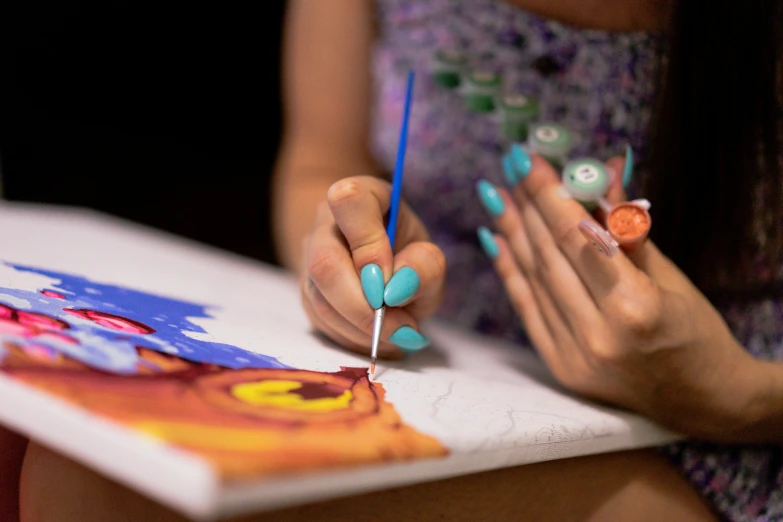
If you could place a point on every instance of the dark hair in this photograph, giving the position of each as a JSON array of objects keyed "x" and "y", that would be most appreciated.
[{"x": 715, "y": 158}]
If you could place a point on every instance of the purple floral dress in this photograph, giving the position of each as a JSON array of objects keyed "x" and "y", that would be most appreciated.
[{"x": 598, "y": 84}]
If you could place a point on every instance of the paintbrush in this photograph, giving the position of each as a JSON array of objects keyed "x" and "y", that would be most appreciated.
[{"x": 394, "y": 208}]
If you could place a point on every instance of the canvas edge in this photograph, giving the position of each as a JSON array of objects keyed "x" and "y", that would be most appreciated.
[
  {"x": 245, "y": 499},
  {"x": 178, "y": 480}
]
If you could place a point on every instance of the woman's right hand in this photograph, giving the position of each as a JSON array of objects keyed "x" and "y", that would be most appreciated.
[{"x": 350, "y": 270}]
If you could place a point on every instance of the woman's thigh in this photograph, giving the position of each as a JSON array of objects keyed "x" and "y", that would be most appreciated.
[
  {"x": 12, "y": 448},
  {"x": 629, "y": 486}
]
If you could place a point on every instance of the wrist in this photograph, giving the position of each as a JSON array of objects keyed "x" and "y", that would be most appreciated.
[
  {"x": 764, "y": 416},
  {"x": 752, "y": 411}
]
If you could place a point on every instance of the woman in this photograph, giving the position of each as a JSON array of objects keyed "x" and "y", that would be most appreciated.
[
  {"x": 638, "y": 332},
  {"x": 592, "y": 68}
]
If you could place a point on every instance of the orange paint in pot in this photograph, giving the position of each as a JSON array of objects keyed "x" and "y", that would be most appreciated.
[{"x": 629, "y": 224}]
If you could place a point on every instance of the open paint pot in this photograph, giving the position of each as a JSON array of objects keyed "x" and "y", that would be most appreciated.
[{"x": 628, "y": 224}]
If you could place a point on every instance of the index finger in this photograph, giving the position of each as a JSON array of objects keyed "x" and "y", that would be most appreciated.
[{"x": 358, "y": 206}]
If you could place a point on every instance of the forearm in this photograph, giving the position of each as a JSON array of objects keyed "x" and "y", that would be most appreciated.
[
  {"x": 746, "y": 406},
  {"x": 300, "y": 185},
  {"x": 616, "y": 15},
  {"x": 765, "y": 413}
]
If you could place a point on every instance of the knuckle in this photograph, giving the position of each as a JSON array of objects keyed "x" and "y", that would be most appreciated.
[
  {"x": 544, "y": 266},
  {"x": 344, "y": 191},
  {"x": 369, "y": 249},
  {"x": 435, "y": 258},
  {"x": 323, "y": 263},
  {"x": 320, "y": 305},
  {"x": 565, "y": 233},
  {"x": 366, "y": 322},
  {"x": 640, "y": 317},
  {"x": 601, "y": 350}
]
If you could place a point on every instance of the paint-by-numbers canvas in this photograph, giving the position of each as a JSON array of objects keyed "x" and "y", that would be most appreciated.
[{"x": 192, "y": 376}]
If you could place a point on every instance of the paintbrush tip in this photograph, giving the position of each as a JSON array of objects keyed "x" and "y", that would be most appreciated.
[{"x": 372, "y": 368}]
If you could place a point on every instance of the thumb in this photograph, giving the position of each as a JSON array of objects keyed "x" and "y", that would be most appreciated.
[
  {"x": 623, "y": 171},
  {"x": 624, "y": 168}
]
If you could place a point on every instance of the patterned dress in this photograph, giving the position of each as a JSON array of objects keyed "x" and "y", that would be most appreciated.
[{"x": 598, "y": 84}]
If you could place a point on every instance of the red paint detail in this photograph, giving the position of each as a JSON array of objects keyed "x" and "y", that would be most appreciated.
[
  {"x": 11, "y": 327},
  {"x": 41, "y": 321},
  {"x": 57, "y": 336},
  {"x": 114, "y": 322}
]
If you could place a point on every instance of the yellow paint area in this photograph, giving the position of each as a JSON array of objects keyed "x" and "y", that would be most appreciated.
[
  {"x": 210, "y": 437},
  {"x": 282, "y": 394}
]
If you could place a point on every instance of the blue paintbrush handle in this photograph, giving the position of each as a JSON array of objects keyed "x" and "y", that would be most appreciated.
[{"x": 394, "y": 208}]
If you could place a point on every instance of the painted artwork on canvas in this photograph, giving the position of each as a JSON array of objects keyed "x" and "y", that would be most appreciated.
[{"x": 127, "y": 356}]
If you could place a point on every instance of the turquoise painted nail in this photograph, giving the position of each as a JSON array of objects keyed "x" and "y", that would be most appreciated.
[
  {"x": 488, "y": 242},
  {"x": 402, "y": 287},
  {"x": 372, "y": 285},
  {"x": 409, "y": 339},
  {"x": 490, "y": 198},
  {"x": 522, "y": 161},
  {"x": 508, "y": 170},
  {"x": 628, "y": 169}
]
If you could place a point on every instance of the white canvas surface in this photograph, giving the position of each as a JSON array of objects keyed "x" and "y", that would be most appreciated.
[{"x": 493, "y": 405}]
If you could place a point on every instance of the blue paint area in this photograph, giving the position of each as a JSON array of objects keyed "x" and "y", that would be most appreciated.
[{"x": 112, "y": 350}]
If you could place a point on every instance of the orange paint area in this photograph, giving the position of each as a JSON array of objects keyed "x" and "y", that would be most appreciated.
[
  {"x": 628, "y": 221},
  {"x": 248, "y": 423}
]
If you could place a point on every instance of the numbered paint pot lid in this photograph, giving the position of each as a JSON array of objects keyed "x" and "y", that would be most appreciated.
[
  {"x": 599, "y": 238},
  {"x": 484, "y": 78},
  {"x": 550, "y": 138},
  {"x": 586, "y": 179},
  {"x": 450, "y": 57},
  {"x": 519, "y": 105}
]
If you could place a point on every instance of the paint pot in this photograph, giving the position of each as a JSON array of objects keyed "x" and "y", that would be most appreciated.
[
  {"x": 587, "y": 181},
  {"x": 628, "y": 224},
  {"x": 517, "y": 111},
  {"x": 551, "y": 141},
  {"x": 481, "y": 91},
  {"x": 447, "y": 68},
  {"x": 599, "y": 238}
]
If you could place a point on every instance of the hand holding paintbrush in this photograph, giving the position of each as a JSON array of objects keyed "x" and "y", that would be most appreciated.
[{"x": 358, "y": 262}]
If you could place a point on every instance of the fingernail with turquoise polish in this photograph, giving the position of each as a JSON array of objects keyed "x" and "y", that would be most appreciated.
[
  {"x": 522, "y": 161},
  {"x": 409, "y": 339},
  {"x": 490, "y": 198},
  {"x": 402, "y": 287},
  {"x": 372, "y": 285},
  {"x": 488, "y": 242},
  {"x": 628, "y": 169},
  {"x": 508, "y": 170}
]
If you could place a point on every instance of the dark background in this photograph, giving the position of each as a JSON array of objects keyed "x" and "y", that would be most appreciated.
[{"x": 163, "y": 113}]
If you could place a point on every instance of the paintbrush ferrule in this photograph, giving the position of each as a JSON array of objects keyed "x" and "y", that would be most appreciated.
[{"x": 377, "y": 326}]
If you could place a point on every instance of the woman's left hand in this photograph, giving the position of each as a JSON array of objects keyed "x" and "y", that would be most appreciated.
[{"x": 631, "y": 330}]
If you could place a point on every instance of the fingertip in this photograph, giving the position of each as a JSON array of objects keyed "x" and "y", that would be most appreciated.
[
  {"x": 616, "y": 193},
  {"x": 542, "y": 174},
  {"x": 402, "y": 287},
  {"x": 488, "y": 243},
  {"x": 408, "y": 339},
  {"x": 628, "y": 167},
  {"x": 373, "y": 285}
]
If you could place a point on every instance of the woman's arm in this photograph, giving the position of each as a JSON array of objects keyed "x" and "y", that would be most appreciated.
[
  {"x": 763, "y": 420},
  {"x": 327, "y": 91},
  {"x": 607, "y": 15}
]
